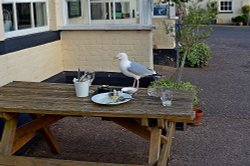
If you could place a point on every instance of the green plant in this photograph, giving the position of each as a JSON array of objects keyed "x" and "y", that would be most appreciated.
[
  {"x": 212, "y": 7},
  {"x": 169, "y": 84},
  {"x": 239, "y": 19},
  {"x": 199, "y": 55},
  {"x": 246, "y": 11},
  {"x": 194, "y": 28}
]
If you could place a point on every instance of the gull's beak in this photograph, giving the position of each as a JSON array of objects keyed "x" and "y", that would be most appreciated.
[{"x": 115, "y": 57}]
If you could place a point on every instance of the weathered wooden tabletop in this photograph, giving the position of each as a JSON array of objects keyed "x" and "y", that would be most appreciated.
[{"x": 60, "y": 99}]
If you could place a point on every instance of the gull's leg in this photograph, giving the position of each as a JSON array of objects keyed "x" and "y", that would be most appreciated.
[
  {"x": 134, "y": 82},
  {"x": 138, "y": 83}
]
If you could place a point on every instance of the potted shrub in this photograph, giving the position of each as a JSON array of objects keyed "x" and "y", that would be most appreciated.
[
  {"x": 240, "y": 20},
  {"x": 156, "y": 88}
]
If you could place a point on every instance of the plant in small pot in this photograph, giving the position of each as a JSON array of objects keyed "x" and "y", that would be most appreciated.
[
  {"x": 239, "y": 20},
  {"x": 157, "y": 87}
]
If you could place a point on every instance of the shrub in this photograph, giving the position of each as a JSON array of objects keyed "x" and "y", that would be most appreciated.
[
  {"x": 240, "y": 18},
  {"x": 198, "y": 55}
]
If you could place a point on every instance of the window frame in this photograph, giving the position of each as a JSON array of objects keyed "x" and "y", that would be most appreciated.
[
  {"x": 21, "y": 32},
  {"x": 225, "y": 11},
  {"x": 145, "y": 20}
]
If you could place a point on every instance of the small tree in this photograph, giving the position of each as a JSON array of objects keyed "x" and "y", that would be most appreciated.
[
  {"x": 246, "y": 11},
  {"x": 194, "y": 29}
]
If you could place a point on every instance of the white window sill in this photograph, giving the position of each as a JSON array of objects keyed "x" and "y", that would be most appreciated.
[{"x": 108, "y": 27}]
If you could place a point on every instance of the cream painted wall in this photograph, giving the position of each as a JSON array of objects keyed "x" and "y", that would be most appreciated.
[
  {"x": 160, "y": 38},
  {"x": 1, "y": 24},
  {"x": 33, "y": 64},
  {"x": 94, "y": 50},
  {"x": 226, "y": 18},
  {"x": 52, "y": 5}
]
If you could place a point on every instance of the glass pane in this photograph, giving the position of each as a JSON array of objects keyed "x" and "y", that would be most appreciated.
[
  {"x": 8, "y": 18},
  {"x": 100, "y": 11},
  {"x": 122, "y": 10},
  {"x": 40, "y": 14},
  {"x": 23, "y": 15}
]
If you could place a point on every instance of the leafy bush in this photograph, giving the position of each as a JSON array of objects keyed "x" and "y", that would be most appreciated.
[
  {"x": 198, "y": 55},
  {"x": 246, "y": 11},
  {"x": 240, "y": 18},
  {"x": 169, "y": 84}
]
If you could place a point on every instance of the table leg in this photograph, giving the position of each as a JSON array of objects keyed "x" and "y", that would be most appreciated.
[
  {"x": 154, "y": 145},
  {"x": 8, "y": 136},
  {"x": 48, "y": 135},
  {"x": 165, "y": 152}
]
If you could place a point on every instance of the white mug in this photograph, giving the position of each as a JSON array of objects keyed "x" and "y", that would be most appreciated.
[{"x": 82, "y": 88}]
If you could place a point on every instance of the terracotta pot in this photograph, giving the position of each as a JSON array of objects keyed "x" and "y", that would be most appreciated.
[{"x": 198, "y": 116}]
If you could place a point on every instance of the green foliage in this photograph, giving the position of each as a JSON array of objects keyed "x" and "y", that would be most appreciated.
[
  {"x": 212, "y": 7},
  {"x": 240, "y": 18},
  {"x": 198, "y": 55},
  {"x": 178, "y": 1},
  {"x": 169, "y": 84},
  {"x": 246, "y": 12},
  {"x": 194, "y": 28},
  {"x": 246, "y": 9}
]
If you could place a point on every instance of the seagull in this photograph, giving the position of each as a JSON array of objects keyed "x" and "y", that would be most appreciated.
[{"x": 133, "y": 69}]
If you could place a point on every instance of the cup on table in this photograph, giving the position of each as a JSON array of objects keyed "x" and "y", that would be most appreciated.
[
  {"x": 167, "y": 97},
  {"x": 81, "y": 88}
]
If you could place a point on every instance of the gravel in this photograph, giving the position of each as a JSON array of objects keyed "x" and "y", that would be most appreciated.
[{"x": 223, "y": 138}]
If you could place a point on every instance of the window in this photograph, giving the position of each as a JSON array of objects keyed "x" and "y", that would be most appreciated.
[
  {"x": 24, "y": 17},
  {"x": 226, "y": 6},
  {"x": 104, "y": 12}
]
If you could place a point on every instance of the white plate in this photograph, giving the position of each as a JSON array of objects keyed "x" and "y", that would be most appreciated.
[
  {"x": 129, "y": 90},
  {"x": 103, "y": 98}
]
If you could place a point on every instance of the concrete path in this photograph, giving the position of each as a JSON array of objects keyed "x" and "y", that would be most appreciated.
[{"x": 224, "y": 136}]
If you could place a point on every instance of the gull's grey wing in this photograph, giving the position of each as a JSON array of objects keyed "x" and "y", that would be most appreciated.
[{"x": 139, "y": 69}]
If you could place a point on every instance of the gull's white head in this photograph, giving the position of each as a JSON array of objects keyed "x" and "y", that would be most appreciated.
[{"x": 122, "y": 56}]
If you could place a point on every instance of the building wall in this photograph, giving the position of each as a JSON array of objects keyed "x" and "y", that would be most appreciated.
[
  {"x": 95, "y": 50},
  {"x": 33, "y": 64},
  {"x": 161, "y": 39},
  {"x": 1, "y": 24},
  {"x": 226, "y": 18},
  {"x": 53, "y": 12}
]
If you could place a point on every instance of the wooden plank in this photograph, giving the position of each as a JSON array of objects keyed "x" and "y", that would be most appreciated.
[
  {"x": 48, "y": 136},
  {"x": 7, "y": 116},
  {"x": 161, "y": 123},
  {"x": 37, "y": 124},
  {"x": 60, "y": 99},
  {"x": 19, "y": 143},
  {"x": 154, "y": 145},
  {"x": 132, "y": 126},
  {"x": 31, "y": 161},
  {"x": 165, "y": 152},
  {"x": 144, "y": 122},
  {"x": 8, "y": 136},
  {"x": 50, "y": 139},
  {"x": 24, "y": 133}
]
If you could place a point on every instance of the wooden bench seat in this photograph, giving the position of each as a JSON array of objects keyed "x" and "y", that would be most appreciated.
[{"x": 34, "y": 161}]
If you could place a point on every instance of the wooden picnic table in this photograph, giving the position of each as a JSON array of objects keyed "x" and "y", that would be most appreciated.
[{"x": 46, "y": 103}]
